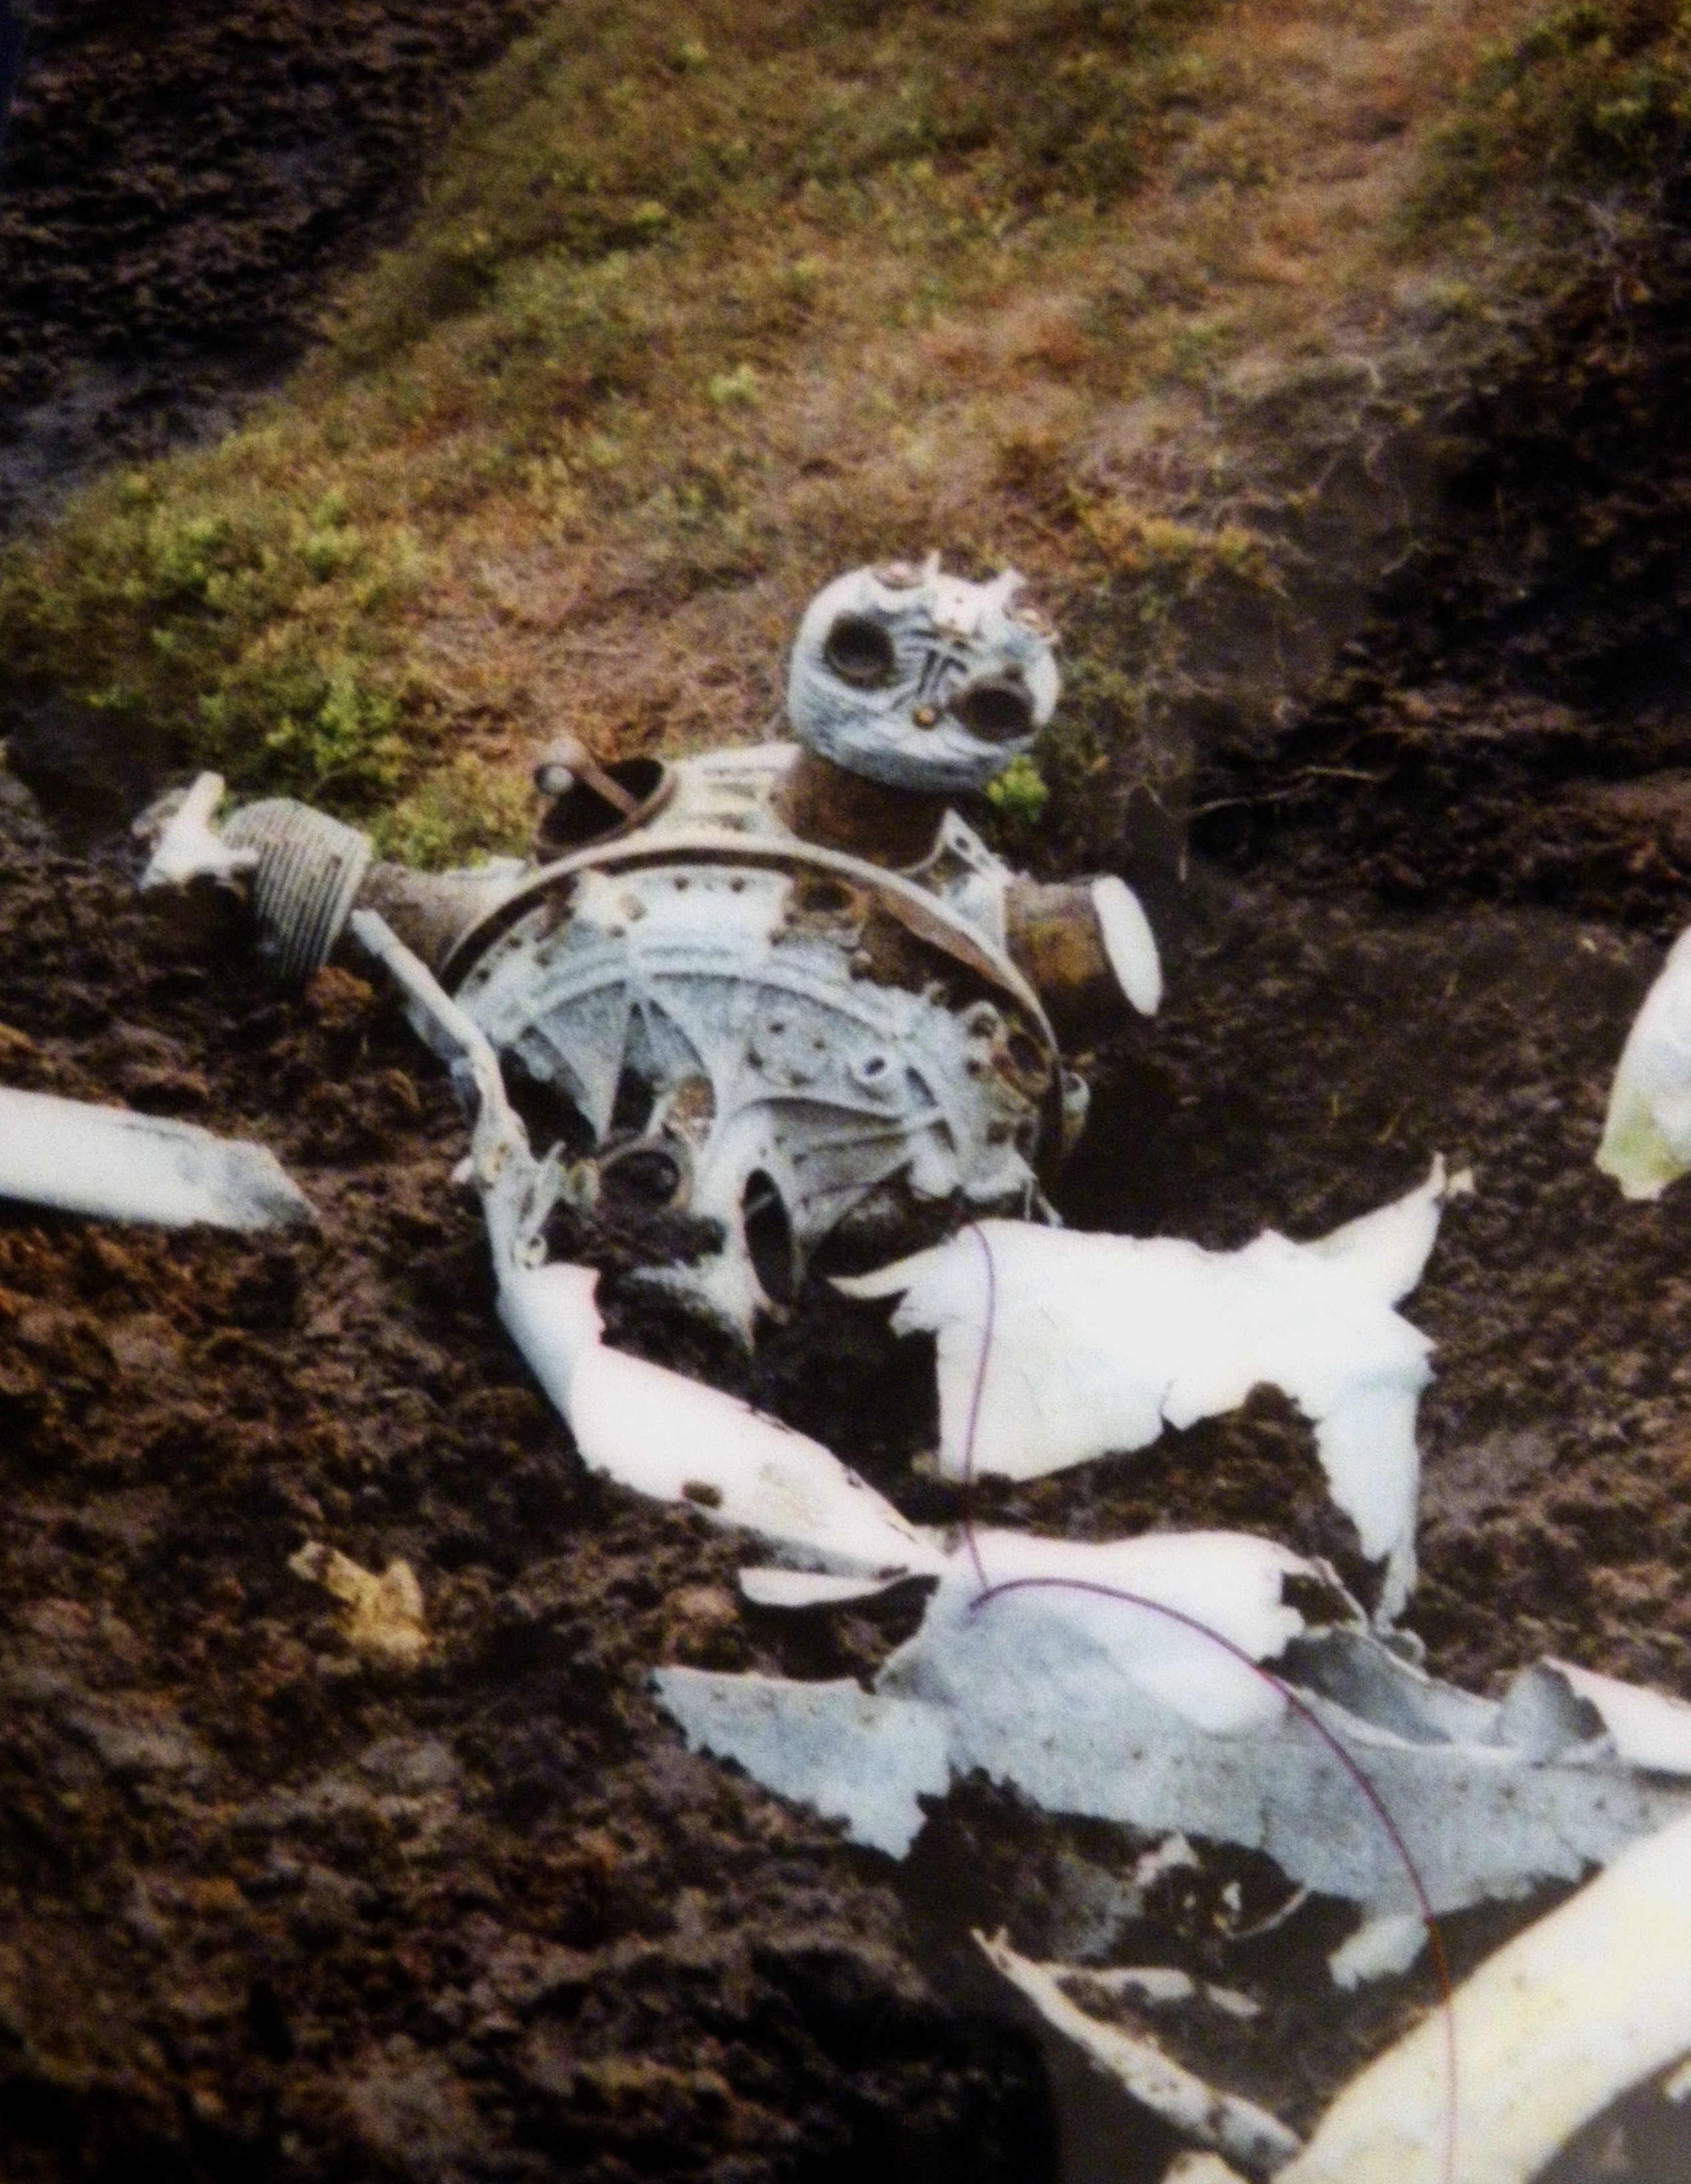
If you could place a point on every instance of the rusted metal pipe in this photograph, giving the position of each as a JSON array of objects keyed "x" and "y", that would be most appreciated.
[
  {"x": 825, "y": 804},
  {"x": 1055, "y": 936}
]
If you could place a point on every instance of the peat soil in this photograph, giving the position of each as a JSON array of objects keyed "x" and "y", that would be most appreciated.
[
  {"x": 270, "y": 1907},
  {"x": 179, "y": 177},
  {"x": 1513, "y": 722}
]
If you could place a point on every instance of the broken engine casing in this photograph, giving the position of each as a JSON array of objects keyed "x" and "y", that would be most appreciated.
[{"x": 778, "y": 1037}]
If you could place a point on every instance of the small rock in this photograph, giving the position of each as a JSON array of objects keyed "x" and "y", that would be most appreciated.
[{"x": 384, "y": 1614}]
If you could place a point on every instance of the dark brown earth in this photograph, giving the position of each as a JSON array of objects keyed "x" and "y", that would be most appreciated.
[
  {"x": 178, "y": 177},
  {"x": 269, "y": 1908},
  {"x": 1514, "y": 722}
]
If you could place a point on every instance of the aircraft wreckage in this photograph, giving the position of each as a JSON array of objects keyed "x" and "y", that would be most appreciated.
[
  {"x": 787, "y": 989},
  {"x": 784, "y": 989}
]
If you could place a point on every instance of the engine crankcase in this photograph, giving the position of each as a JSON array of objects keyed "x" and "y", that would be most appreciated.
[{"x": 794, "y": 1043}]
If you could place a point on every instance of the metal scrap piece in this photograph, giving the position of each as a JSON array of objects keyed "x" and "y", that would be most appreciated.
[
  {"x": 118, "y": 1166},
  {"x": 779, "y": 1026},
  {"x": 1055, "y": 1347},
  {"x": 1647, "y": 1130},
  {"x": 1019, "y": 1690},
  {"x": 653, "y": 1430},
  {"x": 1247, "y": 2134},
  {"x": 185, "y": 848},
  {"x": 1560, "y": 2022}
]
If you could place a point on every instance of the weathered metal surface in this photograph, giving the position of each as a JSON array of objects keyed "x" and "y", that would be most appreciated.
[
  {"x": 795, "y": 1043},
  {"x": 821, "y": 803},
  {"x": 308, "y": 871},
  {"x": 921, "y": 681},
  {"x": 1053, "y": 935},
  {"x": 770, "y": 987}
]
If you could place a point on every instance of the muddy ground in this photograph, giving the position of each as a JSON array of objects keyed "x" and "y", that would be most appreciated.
[
  {"x": 271, "y": 1909},
  {"x": 268, "y": 1910},
  {"x": 176, "y": 182}
]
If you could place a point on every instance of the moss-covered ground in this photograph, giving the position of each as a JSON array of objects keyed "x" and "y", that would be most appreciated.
[{"x": 701, "y": 306}]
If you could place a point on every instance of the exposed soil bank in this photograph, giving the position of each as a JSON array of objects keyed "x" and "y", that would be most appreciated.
[
  {"x": 1513, "y": 720},
  {"x": 177, "y": 181}
]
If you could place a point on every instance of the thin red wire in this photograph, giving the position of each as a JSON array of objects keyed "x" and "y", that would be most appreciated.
[{"x": 1298, "y": 1705}]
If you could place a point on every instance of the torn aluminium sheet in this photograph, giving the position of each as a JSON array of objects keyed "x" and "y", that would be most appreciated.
[
  {"x": 1238, "y": 2128},
  {"x": 673, "y": 1440},
  {"x": 1022, "y": 1686},
  {"x": 650, "y": 1429},
  {"x": 1054, "y": 1347},
  {"x": 118, "y": 1166},
  {"x": 1561, "y": 2021}
]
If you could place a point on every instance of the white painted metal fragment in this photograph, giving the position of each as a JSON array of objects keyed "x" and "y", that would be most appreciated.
[
  {"x": 1236, "y": 2128},
  {"x": 1648, "y": 1729},
  {"x": 650, "y": 1429},
  {"x": 118, "y": 1166},
  {"x": 1178, "y": 1618},
  {"x": 1385, "y": 1252},
  {"x": 799, "y": 1589},
  {"x": 853, "y": 1755},
  {"x": 1647, "y": 1132},
  {"x": 1031, "y": 1689},
  {"x": 1159, "y": 1986},
  {"x": 1546, "y": 2034},
  {"x": 1130, "y": 943},
  {"x": 673, "y": 1440},
  {"x": 1055, "y": 1347},
  {"x": 186, "y": 848},
  {"x": 1380, "y": 1948}
]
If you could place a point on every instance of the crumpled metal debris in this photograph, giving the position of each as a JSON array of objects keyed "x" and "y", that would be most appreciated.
[
  {"x": 118, "y": 1166},
  {"x": 1646, "y": 1131},
  {"x": 1115, "y": 1680},
  {"x": 1380, "y": 1948},
  {"x": 1235, "y": 2127},
  {"x": 1031, "y": 1688},
  {"x": 787, "y": 989},
  {"x": 674, "y": 1440},
  {"x": 650, "y": 1429},
  {"x": 1055, "y": 1347}
]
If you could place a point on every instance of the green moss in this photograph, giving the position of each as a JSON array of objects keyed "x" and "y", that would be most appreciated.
[
  {"x": 1592, "y": 95},
  {"x": 1019, "y": 794},
  {"x": 461, "y": 813}
]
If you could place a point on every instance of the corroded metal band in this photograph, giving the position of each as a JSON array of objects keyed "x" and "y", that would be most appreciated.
[
  {"x": 309, "y": 871},
  {"x": 926, "y": 918}
]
